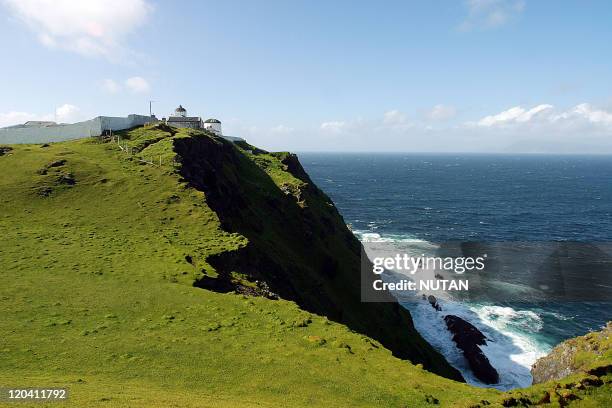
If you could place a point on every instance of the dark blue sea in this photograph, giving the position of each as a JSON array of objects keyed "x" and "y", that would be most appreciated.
[{"x": 426, "y": 199}]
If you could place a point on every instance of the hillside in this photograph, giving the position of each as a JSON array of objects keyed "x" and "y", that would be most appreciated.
[
  {"x": 589, "y": 354},
  {"x": 140, "y": 284}
]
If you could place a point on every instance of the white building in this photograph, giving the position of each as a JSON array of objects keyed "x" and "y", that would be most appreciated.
[
  {"x": 213, "y": 125},
  {"x": 181, "y": 120}
]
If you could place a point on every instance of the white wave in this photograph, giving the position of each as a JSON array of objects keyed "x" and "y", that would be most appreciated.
[
  {"x": 511, "y": 347},
  {"x": 430, "y": 324},
  {"x": 557, "y": 316},
  {"x": 369, "y": 236},
  {"x": 510, "y": 351},
  {"x": 508, "y": 318}
]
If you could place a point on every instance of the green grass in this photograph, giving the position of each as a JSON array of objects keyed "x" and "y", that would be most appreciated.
[{"x": 96, "y": 295}]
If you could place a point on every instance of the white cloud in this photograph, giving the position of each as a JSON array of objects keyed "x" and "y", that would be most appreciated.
[
  {"x": 540, "y": 128},
  {"x": 501, "y": 117},
  {"x": 394, "y": 117},
  {"x": 87, "y": 27},
  {"x": 137, "y": 84},
  {"x": 333, "y": 127},
  {"x": 442, "y": 112},
  {"x": 14, "y": 118},
  {"x": 533, "y": 112},
  {"x": 65, "y": 113},
  {"x": 586, "y": 112},
  {"x": 516, "y": 114},
  {"x": 546, "y": 114},
  {"x": 486, "y": 14},
  {"x": 111, "y": 86},
  {"x": 544, "y": 129}
]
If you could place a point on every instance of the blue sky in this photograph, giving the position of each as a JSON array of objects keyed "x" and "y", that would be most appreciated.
[{"x": 478, "y": 75}]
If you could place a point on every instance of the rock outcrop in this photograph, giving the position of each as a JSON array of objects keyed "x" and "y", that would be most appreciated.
[
  {"x": 468, "y": 338},
  {"x": 434, "y": 302},
  {"x": 585, "y": 354}
]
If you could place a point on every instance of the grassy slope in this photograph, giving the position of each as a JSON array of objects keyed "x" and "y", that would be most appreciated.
[
  {"x": 298, "y": 245},
  {"x": 96, "y": 294}
]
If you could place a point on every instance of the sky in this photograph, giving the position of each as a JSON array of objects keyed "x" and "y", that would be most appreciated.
[{"x": 429, "y": 76}]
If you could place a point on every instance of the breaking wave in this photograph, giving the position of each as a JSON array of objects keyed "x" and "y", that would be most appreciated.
[{"x": 514, "y": 336}]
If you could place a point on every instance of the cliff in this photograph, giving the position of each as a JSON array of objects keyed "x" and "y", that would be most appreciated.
[
  {"x": 194, "y": 272},
  {"x": 589, "y": 354},
  {"x": 299, "y": 247}
]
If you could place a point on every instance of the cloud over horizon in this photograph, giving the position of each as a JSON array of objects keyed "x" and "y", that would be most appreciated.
[
  {"x": 516, "y": 114},
  {"x": 542, "y": 128},
  {"x": 65, "y": 113},
  {"x": 546, "y": 114},
  {"x": 442, "y": 112}
]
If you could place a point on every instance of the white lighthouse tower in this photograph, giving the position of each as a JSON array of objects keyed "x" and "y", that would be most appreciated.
[{"x": 213, "y": 125}]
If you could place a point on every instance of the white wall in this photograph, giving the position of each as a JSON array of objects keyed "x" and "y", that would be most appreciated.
[
  {"x": 32, "y": 134},
  {"x": 120, "y": 123},
  {"x": 58, "y": 133}
]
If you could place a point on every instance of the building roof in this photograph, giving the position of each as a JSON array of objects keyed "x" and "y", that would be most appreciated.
[
  {"x": 211, "y": 120},
  {"x": 39, "y": 123},
  {"x": 180, "y": 109},
  {"x": 184, "y": 119}
]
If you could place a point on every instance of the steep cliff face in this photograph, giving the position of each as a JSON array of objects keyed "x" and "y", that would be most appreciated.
[
  {"x": 590, "y": 354},
  {"x": 299, "y": 247}
]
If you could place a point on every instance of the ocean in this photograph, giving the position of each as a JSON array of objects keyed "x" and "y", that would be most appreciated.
[{"x": 423, "y": 200}]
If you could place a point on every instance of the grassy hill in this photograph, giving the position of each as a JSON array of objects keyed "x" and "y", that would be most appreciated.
[{"x": 129, "y": 283}]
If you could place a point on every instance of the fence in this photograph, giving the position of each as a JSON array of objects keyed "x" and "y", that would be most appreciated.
[{"x": 129, "y": 150}]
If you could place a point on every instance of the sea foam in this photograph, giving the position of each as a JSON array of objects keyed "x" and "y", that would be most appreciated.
[{"x": 512, "y": 346}]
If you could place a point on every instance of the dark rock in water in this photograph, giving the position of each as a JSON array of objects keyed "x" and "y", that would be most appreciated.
[
  {"x": 468, "y": 338},
  {"x": 434, "y": 302},
  {"x": 465, "y": 332}
]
